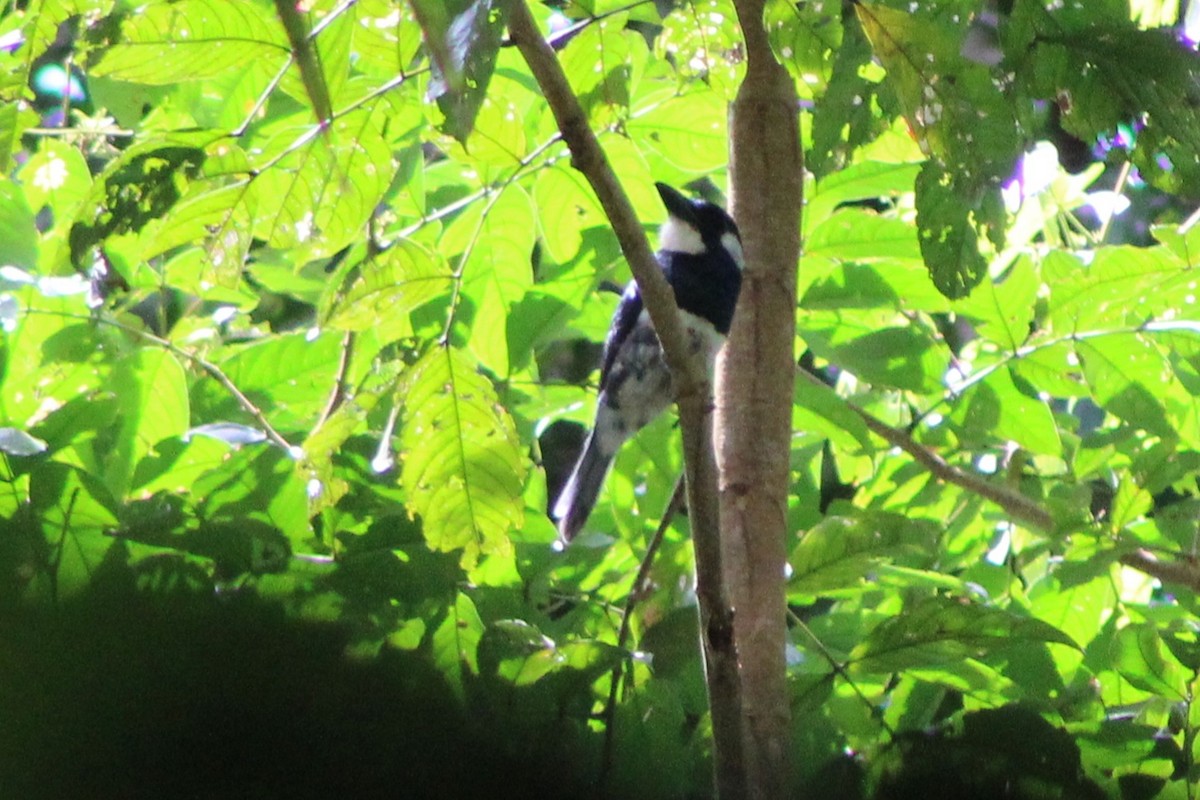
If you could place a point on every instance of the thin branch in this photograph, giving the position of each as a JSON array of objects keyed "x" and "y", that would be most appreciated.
[
  {"x": 520, "y": 171},
  {"x": 1184, "y": 573},
  {"x": 636, "y": 591},
  {"x": 1014, "y": 503},
  {"x": 338, "y": 395},
  {"x": 588, "y": 157},
  {"x": 839, "y": 669},
  {"x": 212, "y": 369},
  {"x": 692, "y": 395}
]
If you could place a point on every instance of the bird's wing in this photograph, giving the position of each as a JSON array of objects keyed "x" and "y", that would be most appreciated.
[{"x": 624, "y": 320}]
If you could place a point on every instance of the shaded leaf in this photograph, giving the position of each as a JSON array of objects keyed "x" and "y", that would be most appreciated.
[
  {"x": 950, "y": 217},
  {"x": 939, "y": 631},
  {"x": 463, "y": 37},
  {"x": 1138, "y": 654},
  {"x": 141, "y": 185}
]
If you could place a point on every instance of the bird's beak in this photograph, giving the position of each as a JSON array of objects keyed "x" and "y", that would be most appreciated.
[{"x": 677, "y": 205}]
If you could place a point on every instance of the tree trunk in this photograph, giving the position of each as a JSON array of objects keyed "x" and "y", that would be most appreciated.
[{"x": 754, "y": 397}]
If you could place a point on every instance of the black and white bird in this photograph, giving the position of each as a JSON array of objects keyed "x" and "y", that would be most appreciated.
[{"x": 700, "y": 253}]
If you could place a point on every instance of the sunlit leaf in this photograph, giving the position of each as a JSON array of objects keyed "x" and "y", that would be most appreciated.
[
  {"x": 167, "y": 42},
  {"x": 840, "y": 553},
  {"x": 456, "y": 642},
  {"x": 462, "y": 466},
  {"x": 388, "y": 286}
]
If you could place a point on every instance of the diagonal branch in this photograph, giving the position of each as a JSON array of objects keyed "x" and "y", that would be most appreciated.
[
  {"x": 1014, "y": 503},
  {"x": 588, "y": 157},
  {"x": 692, "y": 391}
]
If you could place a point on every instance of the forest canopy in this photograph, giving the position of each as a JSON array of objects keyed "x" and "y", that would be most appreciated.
[{"x": 301, "y": 310}]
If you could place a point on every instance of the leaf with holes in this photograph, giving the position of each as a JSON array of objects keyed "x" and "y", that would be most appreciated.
[
  {"x": 951, "y": 216},
  {"x": 463, "y": 468},
  {"x": 463, "y": 38}
]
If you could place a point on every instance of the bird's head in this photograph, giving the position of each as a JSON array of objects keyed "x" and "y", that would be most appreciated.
[{"x": 697, "y": 226}]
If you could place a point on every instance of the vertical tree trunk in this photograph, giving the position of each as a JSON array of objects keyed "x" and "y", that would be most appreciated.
[{"x": 754, "y": 396}]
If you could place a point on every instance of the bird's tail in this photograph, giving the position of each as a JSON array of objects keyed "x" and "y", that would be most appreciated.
[{"x": 578, "y": 497}]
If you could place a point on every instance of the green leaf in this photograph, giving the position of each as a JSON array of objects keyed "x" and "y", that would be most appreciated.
[
  {"x": 839, "y": 553},
  {"x": 61, "y": 356},
  {"x": 496, "y": 270},
  {"x": 388, "y": 287},
  {"x": 289, "y": 375},
  {"x": 56, "y": 176},
  {"x": 1121, "y": 286},
  {"x": 938, "y": 631},
  {"x": 566, "y": 206},
  {"x": 819, "y": 409},
  {"x": 705, "y": 43},
  {"x": 868, "y": 180},
  {"x": 950, "y": 216},
  {"x": 1004, "y": 307},
  {"x": 75, "y": 513},
  {"x": 597, "y": 63},
  {"x": 855, "y": 235},
  {"x": 804, "y": 39},
  {"x": 1130, "y": 379},
  {"x": 456, "y": 643},
  {"x": 845, "y": 117},
  {"x": 996, "y": 407},
  {"x": 18, "y": 235},
  {"x": 463, "y": 467},
  {"x": 463, "y": 37},
  {"x": 139, "y": 186},
  {"x": 1138, "y": 654},
  {"x": 689, "y": 132},
  {"x": 905, "y": 358},
  {"x": 387, "y": 38},
  {"x": 166, "y": 42},
  {"x": 154, "y": 407},
  {"x": 318, "y": 198},
  {"x": 175, "y": 466},
  {"x": 217, "y": 218}
]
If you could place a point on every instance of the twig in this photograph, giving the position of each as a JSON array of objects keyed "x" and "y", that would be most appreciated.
[
  {"x": 692, "y": 395},
  {"x": 338, "y": 395},
  {"x": 588, "y": 157},
  {"x": 839, "y": 669},
  {"x": 1184, "y": 573},
  {"x": 1017, "y": 505},
  {"x": 212, "y": 369},
  {"x": 636, "y": 591}
]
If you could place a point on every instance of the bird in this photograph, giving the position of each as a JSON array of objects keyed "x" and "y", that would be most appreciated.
[{"x": 700, "y": 255}]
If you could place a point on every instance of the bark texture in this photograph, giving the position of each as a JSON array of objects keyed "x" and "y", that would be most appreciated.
[
  {"x": 754, "y": 397},
  {"x": 694, "y": 401}
]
